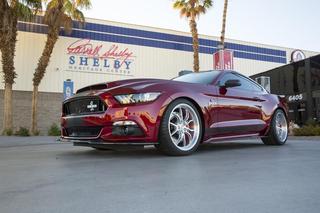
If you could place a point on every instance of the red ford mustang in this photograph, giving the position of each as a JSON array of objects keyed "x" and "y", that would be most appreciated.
[{"x": 174, "y": 115}]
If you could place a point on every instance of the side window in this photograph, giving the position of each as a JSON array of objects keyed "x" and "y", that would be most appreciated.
[
  {"x": 226, "y": 77},
  {"x": 246, "y": 84},
  {"x": 250, "y": 85}
]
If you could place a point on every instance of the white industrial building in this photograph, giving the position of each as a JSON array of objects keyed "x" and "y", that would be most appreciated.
[{"x": 107, "y": 51}]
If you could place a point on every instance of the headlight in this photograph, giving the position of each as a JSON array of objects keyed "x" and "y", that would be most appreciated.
[{"x": 137, "y": 98}]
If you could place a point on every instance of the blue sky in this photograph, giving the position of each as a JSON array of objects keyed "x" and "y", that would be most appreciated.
[{"x": 288, "y": 23}]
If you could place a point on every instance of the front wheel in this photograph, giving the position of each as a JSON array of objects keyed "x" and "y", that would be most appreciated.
[
  {"x": 278, "y": 132},
  {"x": 181, "y": 129}
]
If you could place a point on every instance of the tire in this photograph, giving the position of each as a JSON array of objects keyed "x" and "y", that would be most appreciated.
[
  {"x": 181, "y": 129},
  {"x": 278, "y": 132}
]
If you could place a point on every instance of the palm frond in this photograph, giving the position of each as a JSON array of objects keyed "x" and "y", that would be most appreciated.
[
  {"x": 78, "y": 16},
  {"x": 23, "y": 11},
  {"x": 52, "y": 4},
  {"x": 192, "y": 8},
  {"x": 200, "y": 10},
  {"x": 68, "y": 7},
  {"x": 179, "y": 4},
  {"x": 34, "y": 4},
  {"x": 207, "y": 3},
  {"x": 83, "y": 4}
]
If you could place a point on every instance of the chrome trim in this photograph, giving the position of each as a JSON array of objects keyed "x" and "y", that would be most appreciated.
[{"x": 125, "y": 123}]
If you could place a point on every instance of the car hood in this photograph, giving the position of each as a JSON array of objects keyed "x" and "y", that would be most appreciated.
[{"x": 125, "y": 87}]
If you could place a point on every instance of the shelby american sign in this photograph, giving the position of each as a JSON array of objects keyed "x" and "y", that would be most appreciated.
[{"x": 88, "y": 56}]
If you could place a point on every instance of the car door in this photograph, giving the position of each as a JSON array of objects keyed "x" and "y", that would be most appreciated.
[{"x": 239, "y": 107}]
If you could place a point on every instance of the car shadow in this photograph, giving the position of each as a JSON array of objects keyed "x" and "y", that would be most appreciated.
[
  {"x": 123, "y": 153},
  {"x": 151, "y": 152},
  {"x": 227, "y": 146}
]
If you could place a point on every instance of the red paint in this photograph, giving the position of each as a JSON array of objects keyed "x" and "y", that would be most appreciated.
[
  {"x": 226, "y": 112},
  {"x": 84, "y": 47}
]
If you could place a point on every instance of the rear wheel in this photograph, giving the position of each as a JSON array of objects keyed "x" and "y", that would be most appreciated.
[
  {"x": 278, "y": 132},
  {"x": 180, "y": 129}
]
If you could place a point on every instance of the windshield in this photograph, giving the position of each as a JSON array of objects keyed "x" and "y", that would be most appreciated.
[{"x": 198, "y": 78}]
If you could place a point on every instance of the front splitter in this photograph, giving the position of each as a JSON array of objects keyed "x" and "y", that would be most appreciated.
[{"x": 105, "y": 144}]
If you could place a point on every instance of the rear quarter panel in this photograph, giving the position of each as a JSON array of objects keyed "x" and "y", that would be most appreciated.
[{"x": 272, "y": 103}]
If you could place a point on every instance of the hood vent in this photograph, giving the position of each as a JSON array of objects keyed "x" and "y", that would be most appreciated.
[{"x": 93, "y": 87}]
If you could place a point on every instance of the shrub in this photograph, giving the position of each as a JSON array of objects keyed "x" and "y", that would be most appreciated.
[
  {"x": 7, "y": 132},
  {"x": 307, "y": 130},
  {"x": 22, "y": 132},
  {"x": 54, "y": 130},
  {"x": 312, "y": 122}
]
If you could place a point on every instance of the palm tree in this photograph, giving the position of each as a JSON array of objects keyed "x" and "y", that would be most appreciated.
[
  {"x": 59, "y": 14},
  {"x": 224, "y": 20},
  {"x": 191, "y": 9},
  {"x": 10, "y": 12}
]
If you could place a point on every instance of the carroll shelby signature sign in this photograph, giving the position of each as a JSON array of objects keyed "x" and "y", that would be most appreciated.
[{"x": 86, "y": 55}]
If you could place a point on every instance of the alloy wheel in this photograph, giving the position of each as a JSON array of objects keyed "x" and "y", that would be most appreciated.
[
  {"x": 184, "y": 127},
  {"x": 281, "y": 126}
]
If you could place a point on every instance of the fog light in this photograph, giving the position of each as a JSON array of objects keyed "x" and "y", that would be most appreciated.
[
  {"x": 124, "y": 123},
  {"x": 126, "y": 128}
]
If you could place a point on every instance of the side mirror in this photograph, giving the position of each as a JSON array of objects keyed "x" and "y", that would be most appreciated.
[{"x": 232, "y": 83}]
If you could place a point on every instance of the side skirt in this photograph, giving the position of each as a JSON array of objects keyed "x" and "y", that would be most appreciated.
[{"x": 214, "y": 139}]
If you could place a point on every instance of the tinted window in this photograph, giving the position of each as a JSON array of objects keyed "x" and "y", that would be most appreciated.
[
  {"x": 246, "y": 84},
  {"x": 200, "y": 78}
]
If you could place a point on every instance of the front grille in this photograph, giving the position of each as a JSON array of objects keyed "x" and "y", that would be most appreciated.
[
  {"x": 83, "y": 131},
  {"x": 83, "y": 106}
]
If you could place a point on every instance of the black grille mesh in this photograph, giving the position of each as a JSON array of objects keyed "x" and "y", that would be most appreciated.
[
  {"x": 83, "y": 106},
  {"x": 83, "y": 131}
]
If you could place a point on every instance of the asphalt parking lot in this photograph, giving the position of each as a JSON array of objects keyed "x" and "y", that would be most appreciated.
[{"x": 38, "y": 174}]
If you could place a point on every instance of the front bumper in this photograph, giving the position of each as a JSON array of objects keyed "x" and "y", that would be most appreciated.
[{"x": 146, "y": 117}]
